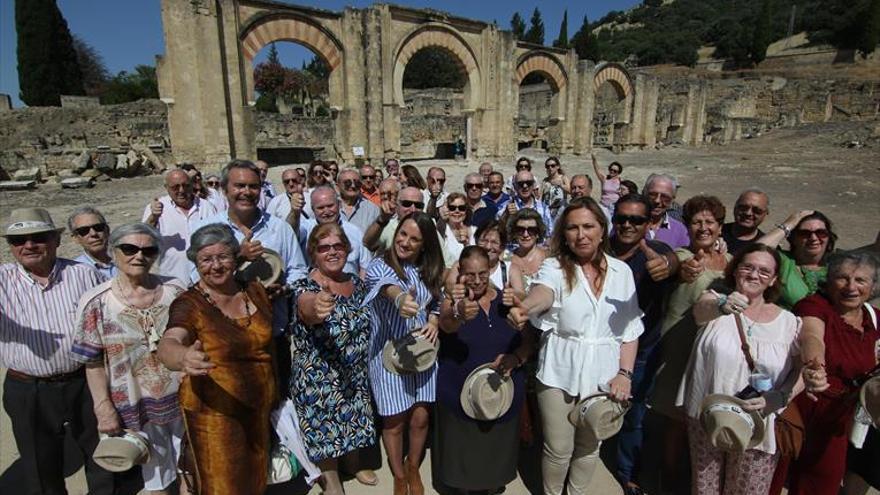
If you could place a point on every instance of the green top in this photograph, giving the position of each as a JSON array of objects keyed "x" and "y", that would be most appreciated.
[{"x": 797, "y": 282}]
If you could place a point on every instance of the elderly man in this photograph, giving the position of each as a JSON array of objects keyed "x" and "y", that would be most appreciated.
[
  {"x": 175, "y": 216},
  {"x": 369, "y": 190},
  {"x": 392, "y": 170},
  {"x": 751, "y": 208},
  {"x": 522, "y": 163},
  {"x": 289, "y": 206},
  {"x": 581, "y": 185},
  {"x": 267, "y": 189},
  {"x": 660, "y": 190},
  {"x": 354, "y": 207},
  {"x": 89, "y": 229},
  {"x": 45, "y": 391},
  {"x": 485, "y": 170},
  {"x": 326, "y": 205},
  {"x": 434, "y": 196},
  {"x": 653, "y": 265},
  {"x": 525, "y": 198}
]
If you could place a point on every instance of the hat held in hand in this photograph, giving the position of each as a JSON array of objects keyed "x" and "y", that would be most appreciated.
[
  {"x": 598, "y": 413},
  {"x": 266, "y": 269},
  {"x": 409, "y": 354},
  {"x": 121, "y": 452},
  {"x": 728, "y": 426},
  {"x": 486, "y": 394}
]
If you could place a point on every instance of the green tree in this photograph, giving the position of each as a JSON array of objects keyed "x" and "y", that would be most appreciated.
[
  {"x": 91, "y": 64},
  {"x": 535, "y": 34},
  {"x": 433, "y": 68},
  {"x": 317, "y": 68},
  {"x": 272, "y": 56},
  {"x": 562, "y": 40},
  {"x": 761, "y": 34},
  {"x": 585, "y": 43},
  {"x": 125, "y": 86},
  {"x": 518, "y": 26},
  {"x": 47, "y": 63},
  {"x": 871, "y": 31}
]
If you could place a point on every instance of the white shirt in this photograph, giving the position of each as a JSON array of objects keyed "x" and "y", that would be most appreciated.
[
  {"x": 176, "y": 227},
  {"x": 217, "y": 199},
  {"x": 441, "y": 199},
  {"x": 453, "y": 247},
  {"x": 582, "y": 334}
]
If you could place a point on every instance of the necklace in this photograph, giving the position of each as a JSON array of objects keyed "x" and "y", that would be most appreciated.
[
  {"x": 247, "y": 309},
  {"x": 156, "y": 292}
]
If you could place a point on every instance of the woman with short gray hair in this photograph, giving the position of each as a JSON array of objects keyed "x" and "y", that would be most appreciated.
[{"x": 118, "y": 327}]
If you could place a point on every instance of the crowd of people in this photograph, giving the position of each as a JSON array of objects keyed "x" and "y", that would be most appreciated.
[{"x": 400, "y": 310}]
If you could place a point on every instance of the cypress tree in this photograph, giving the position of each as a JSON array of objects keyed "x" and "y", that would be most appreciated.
[
  {"x": 761, "y": 34},
  {"x": 871, "y": 31},
  {"x": 47, "y": 61},
  {"x": 585, "y": 43},
  {"x": 535, "y": 34},
  {"x": 562, "y": 40},
  {"x": 518, "y": 26}
]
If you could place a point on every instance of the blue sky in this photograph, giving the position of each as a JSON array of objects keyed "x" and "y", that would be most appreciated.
[{"x": 129, "y": 32}]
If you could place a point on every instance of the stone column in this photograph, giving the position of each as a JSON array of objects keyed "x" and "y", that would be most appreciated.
[
  {"x": 583, "y": 116},
  {"x": 372, "y": 76}
]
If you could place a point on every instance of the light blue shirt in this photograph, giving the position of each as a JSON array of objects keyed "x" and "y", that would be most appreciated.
[
  {"x": 106, "y": 270},
  {"x": 358, "y": 258}
]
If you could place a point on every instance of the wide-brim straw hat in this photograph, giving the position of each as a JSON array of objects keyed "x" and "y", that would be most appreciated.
[
  {"x": 728, "y": 426},
  {"x": 122, "y": 452},
  {"x": 408, "y": 355},
  {"x": 486, "y": 394},
  {"x": 869, "y": 396},
  {"x": 24, "y": 221},
  {"x": 266, "y": 269},
  {"x": 599, "y": 414}
]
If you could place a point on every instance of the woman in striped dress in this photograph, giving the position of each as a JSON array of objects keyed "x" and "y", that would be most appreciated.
[{"x": 404, "y": 297}]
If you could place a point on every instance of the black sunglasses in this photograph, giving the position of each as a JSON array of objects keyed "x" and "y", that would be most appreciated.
[
  {"x": 632, "y": 219},
  {"x": 368, "y": 176},
  {"x": 470, "y": 185},
  {"x": 291, "y": 181},
  {"x": 351, "y": 183},
  {"x": 85, "y": 229},
  {"x": 532, "y": 231},
  {"x": 747, "y": 208},
  {"x": 131, "y": 250},
  {"x": 461, "y": 208},
  {"x": 524, "y": 184},
  {"x": 408, "y": 204},
  {"x": 38, "y": 238}
]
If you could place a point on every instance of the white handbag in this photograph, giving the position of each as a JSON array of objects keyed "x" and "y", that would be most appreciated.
[{"x": 282, "y": 464}]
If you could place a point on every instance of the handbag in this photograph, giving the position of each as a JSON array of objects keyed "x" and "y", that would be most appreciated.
[
  {"x": 789, "y": 425},
  {"x": 283, "y": 465}
]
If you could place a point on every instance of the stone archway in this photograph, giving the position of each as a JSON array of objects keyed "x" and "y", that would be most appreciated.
[
  {"x": 613, "y": 101},
  {"x": 540, "y": 114},
  {"x": 616, "y": 75},
  {"x": 545, "y": 64}
]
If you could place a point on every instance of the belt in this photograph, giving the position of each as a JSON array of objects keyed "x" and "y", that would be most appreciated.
[{"x": 24, "y": 377}]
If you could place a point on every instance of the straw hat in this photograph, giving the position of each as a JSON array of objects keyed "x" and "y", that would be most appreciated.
[
  {"x": 24, "y": 221},
  {"x": 869, "y": 396},
  {"x": 121, "y": 452},
  {"x": 267, "y": 269},
  {"x": 600, "y": 414},
  {"x": 486, "y": 394},
  {"x": 408, "y": 354},
  {"x": 728, "y": 426}
]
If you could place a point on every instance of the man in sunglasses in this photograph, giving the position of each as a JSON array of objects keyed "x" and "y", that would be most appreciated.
[
  {"x": 434, "y": 196},
  {"x": 522, "y": 163},
  {"x": 45, "y": 391},
  {"x": 90, "y": 230},
  {"x": 354, "y": 207},
  {"x": 525, "y": 198},
  {"x": 289, "y": 206},
  {"x": 660, "y": 190},
  {"x": 392, "y": 170},
  {"x": 653, "y": 265},
  {"x": 749, "y": 211},
  {"x": 176, "y": 215},
  {"x": 369, "y": 187}
]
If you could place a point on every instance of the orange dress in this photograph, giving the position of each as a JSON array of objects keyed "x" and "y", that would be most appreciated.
[{"x": 227, "y": 411}]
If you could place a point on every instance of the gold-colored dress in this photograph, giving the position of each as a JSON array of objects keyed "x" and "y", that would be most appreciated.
[{"x": 227, "y": 411}]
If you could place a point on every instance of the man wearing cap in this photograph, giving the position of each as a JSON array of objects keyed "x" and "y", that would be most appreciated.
[
  {"x": 90, "y": 230},
  {"x": 175, "y": 216},
  {"x": 325, "y": 206},
  {"x": 45, "y": 391},
  {"x": 525, "y": 198}
]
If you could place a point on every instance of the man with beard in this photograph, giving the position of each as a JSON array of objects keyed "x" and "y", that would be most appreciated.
[
  {"x": 750, "y": 210},
  {"x": 653, "y": 265},
  {"x": 660, "y": 190},
  {"x": 90, "y": 230}
]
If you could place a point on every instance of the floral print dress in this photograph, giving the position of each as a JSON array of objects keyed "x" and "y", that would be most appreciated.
[{"x": 328, "y": 384}]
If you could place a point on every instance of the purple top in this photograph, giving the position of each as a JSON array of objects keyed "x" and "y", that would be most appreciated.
[
  {"x": 671, "y": 232},
  {"x": 477, "y": 342}
]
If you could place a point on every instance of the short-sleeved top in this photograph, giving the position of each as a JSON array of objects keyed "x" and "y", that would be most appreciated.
[
  {"x": 124, "y": 338},
  {"x": 386, "y": 238},
  {"x": 453, "y": 247},
  {"x": 717, "y": 364},
  {"x": 362, "y": 214},
  {"x": 477, "y": 342},
  {"x": 652, "y": 295},
  {"x": 733, "y": 243},
  {"x": 176, "y": 227},
  {"x": 797, "y": 283},
  {"x": 583, "y": 332},
  {"x": 672, "y": 232},
  {"x": 536, "y": 205}
]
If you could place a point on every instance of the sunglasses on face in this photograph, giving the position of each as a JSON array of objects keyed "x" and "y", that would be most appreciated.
[
  {"x": 821, "y": 234},
  {"x": 21, "y": 240},
  {"x": 85, "y": 229},
  {"x": 131, "y": 250},
  {"x": 351, "y": 184},
  {"x": 471, "y": 185},
  {"x": 532, "y": 231},
  {"x": 291, "y": 181},
  {"x": 747, "y": 208},
  {"x": 614, "y": 171},
  {"x": 552, "y": 165},
  {"x": 409, "y": 204},
  {"x": 632, "y": 219},
  {"x": 523, "y": 167},
  {"x": 213, "y": 183},
  {"x": 368, "y": 177},
  {"x": 461, "y": 208},
  {"x": 326, "y": 248},
  {"x": 525, "y": 184}
]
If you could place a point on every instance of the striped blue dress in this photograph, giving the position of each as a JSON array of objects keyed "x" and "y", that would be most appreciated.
[{"x": 394, "y": 393}]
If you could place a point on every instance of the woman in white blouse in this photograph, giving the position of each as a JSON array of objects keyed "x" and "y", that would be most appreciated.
[
  {"x": 718, "y": 366},
  {"x": 585, "y": 304}
]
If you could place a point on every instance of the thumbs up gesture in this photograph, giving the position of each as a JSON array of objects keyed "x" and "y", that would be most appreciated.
[
  {"x": 156, "y": 208},
  {"x": 692, "y": 268},
  {"x": 325, "y": 303},
  {"x": 517, "y": 317},
  {"x": 250, "y": 249},
  {"x": 468, "y": 307},
  {"x": 297, "y": 201},
  {"x": 407, "y": 306},
  {"x": 195, "y": 362},
  {"x": 508, "y": 295},
  {"x": 511, "y": 207},
  {"x": 656, "y": 264}
]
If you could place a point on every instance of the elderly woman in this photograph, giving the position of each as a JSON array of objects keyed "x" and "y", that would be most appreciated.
[
  {"x": 469, "y": 454},
  {"x": 118, "y": 327},
  {"x": 458, "y": 232},
  {"x": 810, "y": 240},
  {"x": 838, "y": 347},
  {"x": 330, "y": 334},
  {"x": 404, "y": 298},
  {"x": 220, "y": 335},
  {"x": 718, "y": 366},
  {"x": 585, "y": 302},
  {"x": 554, "y": 187},
  {"x": 527, "y": 230}
]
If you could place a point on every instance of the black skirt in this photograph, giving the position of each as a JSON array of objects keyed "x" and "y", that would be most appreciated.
[
  {"x": 473, "y": 455},
  {"x": 866, "y": 461}
]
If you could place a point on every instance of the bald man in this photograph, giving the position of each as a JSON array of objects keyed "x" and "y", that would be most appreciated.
[
  {"x": 267, "y": 189},
  {"x": 175, "y": 216}
]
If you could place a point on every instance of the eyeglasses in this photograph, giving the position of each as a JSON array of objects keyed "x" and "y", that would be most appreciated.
[
  {"x": 21, "y": 240},
  {"x": 213, "y": 183},
  {"x": 532, "y": 231},
  {"x": 821, "y": 234},
  {"x": 552, "y": 165},
  {"x": 131, "y": 250},
  {"x": 318, "y": 171},
  {"x": 461, "y": 208},
  {"x": 409, "y": 204},
  {"x": 351, "y": 183},
  {"x": 748, "y": 269},
  {"x": 747, "y": 208},
  {"x": 85, "y": 229},
  {"x": 326, "y": 248},
  {"x": 222, "y": 259},
  {"x": 525, "y": 184},
  {"x": 291, "y": 181},
  {"x": 632, "y": 219},
  {"x": 368, "y": 177},
  {"x": 471, "y": 185}
]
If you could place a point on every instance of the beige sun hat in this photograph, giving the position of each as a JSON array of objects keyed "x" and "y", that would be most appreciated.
[
  {"x": 267, "y": 269},
  {"x": 122, "y": 452},
  {"x": 728, "y": 426},
  {"x": 486, "y": 394},
  {"x": 598, "y": 413},
  {"x": 24, "y": 221},
  {"x": 409, "y": 354},
  {"x": 869, "y": 396}
]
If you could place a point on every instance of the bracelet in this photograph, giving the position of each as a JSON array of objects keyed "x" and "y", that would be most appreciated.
[
  {"x": 397, "y": 299},
  {"x": 625, "y": 373},
  {"x": 455, "y": 313},
  {"x": 784, "y": 229},
  {"x": 722, "y": 300}
]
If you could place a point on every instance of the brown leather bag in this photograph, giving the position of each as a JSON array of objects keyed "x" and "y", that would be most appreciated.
[{"x": 789, "y": 425}]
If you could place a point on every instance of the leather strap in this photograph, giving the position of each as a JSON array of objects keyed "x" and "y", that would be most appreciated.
[
  {"x": 503, "y": 274},
  {"x": 744, "y": 343}
]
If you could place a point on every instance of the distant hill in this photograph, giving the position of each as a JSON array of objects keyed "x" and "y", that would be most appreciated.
[{"x": 671, "y": 31}]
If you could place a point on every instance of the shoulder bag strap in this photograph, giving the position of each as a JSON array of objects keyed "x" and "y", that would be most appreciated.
[
  {"x": 744, "y": 343},
  {"x": 503, "y": 273}
]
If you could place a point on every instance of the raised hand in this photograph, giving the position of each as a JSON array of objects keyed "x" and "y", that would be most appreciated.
[
  {"x": 508, "y": 295},
  {"x": 511, "y": 207},
  {"x": 388, "y": 208},
  {"x": 407, "y": 306},
  {"x": 517, "y": 317},
  {"x": 736, "y": 303},
  {"x": 657, "y": 264},
  {"x": 468, "y": 307},
  {"x": 297, "y": 202},
  {"x": 251, "y": 250},
  {"x": 195, "y": 362},
  {"x": 325, "y": 303},
  {"x": 694, "y": 267},
  {"x": 156, "y": 208}
]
